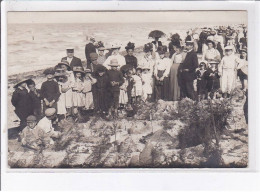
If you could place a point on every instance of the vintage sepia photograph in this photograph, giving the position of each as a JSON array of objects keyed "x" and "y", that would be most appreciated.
[{"x": 127, "y": 89}]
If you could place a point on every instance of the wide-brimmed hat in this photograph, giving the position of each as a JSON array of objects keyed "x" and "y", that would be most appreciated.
[
  {"x": 100, "y": 46},
  {"x": 228, "y": 48},
  {"x": 93, "y": 56},
  {"x": 114, "y": 63},
  {"x": 148, "y": 47},
  {"x": 210, "y": 41},
  {"x": 21, "y": 79},
  {"x": 115, "y": 45},
  {"x": 101, "y": 68},
  {"x": 64, "y": 62},
  {"x": 203, "y": 62},
  {"x": 130, "y": 45},
  {"x": 31, "y": 118},
  {"x": 50, "y": 112},
  {"x": 146, "y": 67},
  {"x": 49, "y": 71},
  {"x": 78, "y": 69},
  {"x": 60, "y": 74},
  {"x": 212, "y": 32}
]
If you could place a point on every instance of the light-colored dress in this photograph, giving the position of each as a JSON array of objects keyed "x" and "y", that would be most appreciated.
[
  {"x": 147, "y": 85},
  {"x": 147, "y": 62},
  {"x": 228, "y": 71},
  {"x": 174, "y": 89},
  {"x": 123, "y": 97},
  {"x": 78, "y": 98},
  {"x": 211, "y": 55},
  {"x": 87, "y": 91},
  {"x": 138, "y": 86},
  {"x": 61, "y": 104},
  {"x": 68, "y": 94}
]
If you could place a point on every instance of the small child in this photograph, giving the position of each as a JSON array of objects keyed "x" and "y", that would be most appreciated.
[
  {"x": 31, "y": 136},
  {"x": 61, "y": 103},
  {"x": 123, "y": 98},
  {"x": 130, "y": 85},
  {"x": 213, "y": 83},
  {"x": 87, "y": 90},
  {"x": 77, "y": 88},
  {"x": 50, "y": 90},
  {"x": 227, "y": 71},
  {"x": 137, "y": 90},
  {"x": 202, "y": 75},
  {"x": 116, "y": 80},
  {"x": 35, "y": 95},
  {"x": 101, "y": 87},
  {"x": 147, "y": 83},
  {"x": 46, "y": 125},
  {"x": 21, "y": 100}
]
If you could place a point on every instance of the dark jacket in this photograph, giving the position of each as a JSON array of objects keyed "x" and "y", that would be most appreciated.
[
  {"x": 93, "y": 68},
  {"x": 159, "y": 43},
  {"x": 74, "y": 62},
  {"x": 117, "y": 76},
  {"x": 89, "y": 48},
  {"x": 191, "y": 63},
  {"x": 50, "y": 90},
  {"x": 36, "y": 101},
  {"x": 22, "y": 103},
  {"x": 131, "y": 60}
]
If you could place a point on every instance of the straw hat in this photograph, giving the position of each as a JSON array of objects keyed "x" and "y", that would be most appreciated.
[
  {"x": 114, "y": 63},
  {"x": 20, "y": 79},
  {"x": 31, "y": 118},
  {"x": 78, "y": 69},
  {"x": 50, "y": 112}
]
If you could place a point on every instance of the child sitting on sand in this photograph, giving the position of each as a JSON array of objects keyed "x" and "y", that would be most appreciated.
[
  {"x": 36, "y": 101},
  {"x": 137, "y": 90},
  {"x": 50, "y": 90},
  {"x": 87, "y": 90}
]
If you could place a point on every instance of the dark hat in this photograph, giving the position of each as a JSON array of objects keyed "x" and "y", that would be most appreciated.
[
  {"x": 70, "y": 50},
  {"x": 139, "y": 68},
  {"x": 20, "y": 79},
  {"x": 78, "y": 69},
  {"x": 243, "y": 50},
  {"x": 130, "y": 45},
  {"x": 210, "y": 41},
  {"x": 148, "y": 47},
  {"x": 64, "y": 62},
  {"x": 101, "y": 68},
  {"x": 49, "y": 71},
  {"x": 31, "y": 118},
  {"x": 93, "y": 56},
  {"x": 100, "y": 46}
]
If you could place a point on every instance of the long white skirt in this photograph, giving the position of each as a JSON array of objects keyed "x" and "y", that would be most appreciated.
[
  {"x": 78, "y": 99},
  {"x": 61, "y": 105},
  {"x": 123, "y": 98},
  {"x": 228, "y": 80},
  {"x": 68, "y": 98},
  {"x": 89, "y": 104}
]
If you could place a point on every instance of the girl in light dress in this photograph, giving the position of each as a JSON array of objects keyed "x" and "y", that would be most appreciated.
[
  {"x": 137, "y": 90},
  {"x": 147, "y": 83},
  {"x": 123, "y": 97},
  {"x": 87, "y": 90},
  {"x": 78, "y": 98}
]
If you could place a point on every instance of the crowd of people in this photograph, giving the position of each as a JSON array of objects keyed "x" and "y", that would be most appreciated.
[{"x": 109, "y": 82}]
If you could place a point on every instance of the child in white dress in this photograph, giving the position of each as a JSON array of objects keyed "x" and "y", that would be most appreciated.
[
  {"x": 147, "y": 83},
  {"x": 137, "y": 90},
  {"x": 123, "y": 98},
  {"x": 87, "y": 90}
]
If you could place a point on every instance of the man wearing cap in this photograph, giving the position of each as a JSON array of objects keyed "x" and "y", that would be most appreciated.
[
  {"x": 228, "y": 71},
  {"x": 72, "y": 60},
  {"x": 21, "y": 100},
  {"x": 31, "y": 136},
  {"x": 45, "y": 124},
  {"x": 115, "y": 79},
  {"x": 187, "y": 72},
  {"x": 115, "y": 55},
  {"x": 90, "y": 48}
]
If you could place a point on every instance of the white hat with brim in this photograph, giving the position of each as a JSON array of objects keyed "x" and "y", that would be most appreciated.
[{"x": 50, "y": 112}]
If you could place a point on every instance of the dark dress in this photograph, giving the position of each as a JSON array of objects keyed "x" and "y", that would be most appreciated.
[
  {"x": 202, "y": 40},
  {"x": 102, "y": 97},
  {"x": 117, "y": 76},
  {"x": 213, "y": 83},
  {"x": 36, "y": 104},
  {"x": 202, "y": 78},
  {"x": 50, "y": 90},
  {"x": 131, "y": 61},
  {"x": 161, "y": 87},
  {"x": 75, "y": 62},
  {"x": 89, "y": 48},
  {"x": 23, "y": 104},
  {"x": 186, "y": 78}
]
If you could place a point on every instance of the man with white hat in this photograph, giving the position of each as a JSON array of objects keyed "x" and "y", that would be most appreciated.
[
  {"x": 115, "y": 55},
  {"x": 72, "y": 60},
  {"x": 228, "y": 71}
]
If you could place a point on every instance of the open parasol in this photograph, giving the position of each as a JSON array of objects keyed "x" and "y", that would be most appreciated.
[{"x": 156, "y": 34}]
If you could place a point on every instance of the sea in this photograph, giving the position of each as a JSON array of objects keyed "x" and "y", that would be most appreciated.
[{"x": 33, "y": 47}]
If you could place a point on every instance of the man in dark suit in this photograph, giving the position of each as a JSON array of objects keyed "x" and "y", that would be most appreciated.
[
  {"x": 72, "y": 60},
  {"x": 90, "y": 48},
  {"x": 187, "y": 71}
]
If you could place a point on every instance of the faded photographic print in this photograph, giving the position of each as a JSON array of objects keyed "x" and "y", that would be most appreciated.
[{"x": 132, "y": 89}]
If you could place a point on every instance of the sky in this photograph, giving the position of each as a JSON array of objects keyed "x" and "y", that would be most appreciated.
[{"x": 128, "y": 17}]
